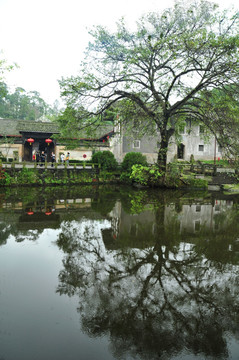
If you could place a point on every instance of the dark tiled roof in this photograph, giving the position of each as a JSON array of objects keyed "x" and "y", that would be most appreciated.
[
  {"x": 16, "y": 127},
  {"x": 37, "y": 126},
  {"x": 11, "y": 127}
]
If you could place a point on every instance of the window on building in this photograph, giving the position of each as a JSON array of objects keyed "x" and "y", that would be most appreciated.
[
  {"x": 198, "y": 208},
  {"x": 201, "y": 147},
  {"x": 136, "y": 144},
  {"x": 219, "y": 149}
]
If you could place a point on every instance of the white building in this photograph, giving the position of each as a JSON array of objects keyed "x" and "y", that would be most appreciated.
[{"x": 192, "y": 141}]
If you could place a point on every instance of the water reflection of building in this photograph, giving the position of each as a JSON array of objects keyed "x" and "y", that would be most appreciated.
[
  {"x": 127, "y": 229},
  {"x": 42, "y": 213},
  {"x": 134, "y": 230},
  {"x": 192, "y": 218},
  {"x": 150, "y": 226}
]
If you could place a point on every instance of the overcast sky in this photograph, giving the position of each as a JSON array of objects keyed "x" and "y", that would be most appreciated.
[{"x": 46, "y": 38}]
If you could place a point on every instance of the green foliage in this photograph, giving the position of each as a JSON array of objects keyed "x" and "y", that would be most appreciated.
[
  {"x": 27, "y": 176},
  {"x": 130, "y": 159},
  {"x": 137, "y": 202},
  {"x": 105, "y": 159},
  {"x": 125, "y": 178},
  {"x": 32, "y": 176},
  {"x": 77, "y": 122},
  {"x": 106, "y": 176},
  {"x": 133, "y": 158},
  {"x": 66, "y": 178},
  {"x": 68, "y": 122},
  {"x": 221, "y": 113},
  {"x": 23, "y": 177},
  {"x": 5, "y": 178},
  {"x": 173, "y": 169},
  {"x": 151, "y": 176},
  {"x": 144, "y": 175},
  {"x": 221, "y": 163},
  {"x": 196, "y": 183}
]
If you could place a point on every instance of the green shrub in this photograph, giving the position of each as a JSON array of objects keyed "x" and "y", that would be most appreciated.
[
  {"x": 198, "y": 183},
  {"x": 125, "y": 178},
  {"x": 105, "y": 159},
  {"x": 133, "y": 158},
  {"x": 27, "y": 176},
  {"x": 144, "y": 175},
  {"x": 5, "y": 178}
]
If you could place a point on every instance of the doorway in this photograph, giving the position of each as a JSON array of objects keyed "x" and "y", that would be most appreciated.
[
  {"x": 181, "y": 150},
  {"x": 38, "y": 146},
  {"x": 27, "y": 156}
]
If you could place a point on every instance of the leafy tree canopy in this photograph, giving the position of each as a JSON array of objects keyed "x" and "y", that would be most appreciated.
[{"x": 160, "y": 72}]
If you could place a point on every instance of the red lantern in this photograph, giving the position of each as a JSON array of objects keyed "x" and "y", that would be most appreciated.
[
  {"x": 103, "y": 140},
  {"x": 48, "y": 141},
  {"x": 84, "y": 156},
  {"x": 30, "y": 213},
  {"x": 30, "y": 141}
]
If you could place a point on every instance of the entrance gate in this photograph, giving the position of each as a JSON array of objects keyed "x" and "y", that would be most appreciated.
[{"x": 40, "y": 146}]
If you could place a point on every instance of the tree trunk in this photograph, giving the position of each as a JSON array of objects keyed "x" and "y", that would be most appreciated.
[
  {"x": 162, "y": 154},
  {"x": 163, "y": 150}
]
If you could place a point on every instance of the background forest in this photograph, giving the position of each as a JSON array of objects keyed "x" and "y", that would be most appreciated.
[{"x": 24, "y": 105}]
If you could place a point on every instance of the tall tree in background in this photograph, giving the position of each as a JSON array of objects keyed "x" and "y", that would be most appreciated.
[
  {"x": 24, "y": 105},
  {"x": 160, "y": 72},
  {"x": 21, "y": 104}
]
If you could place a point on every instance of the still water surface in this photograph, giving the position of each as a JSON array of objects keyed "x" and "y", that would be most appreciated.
[{"x": 115, "y": 273}]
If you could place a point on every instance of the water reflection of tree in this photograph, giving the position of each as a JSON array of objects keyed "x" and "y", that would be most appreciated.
[
  {"x": 9, "y": 227},
  {"x": 151, "y": 302},
  {"x": 7, "y": 230}
]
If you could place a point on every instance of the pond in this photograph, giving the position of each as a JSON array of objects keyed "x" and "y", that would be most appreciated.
[{"x": 118, "y": 273}]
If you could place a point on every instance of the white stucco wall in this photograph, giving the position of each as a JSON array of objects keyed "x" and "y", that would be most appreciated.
[
  {"x": 190, "y": 139},
  {"x": 7, "y": 150},
  {"x": 192, "y": 142}
]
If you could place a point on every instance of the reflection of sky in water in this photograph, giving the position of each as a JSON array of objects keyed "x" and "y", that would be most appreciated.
[{"x": 35, "y": 322}]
